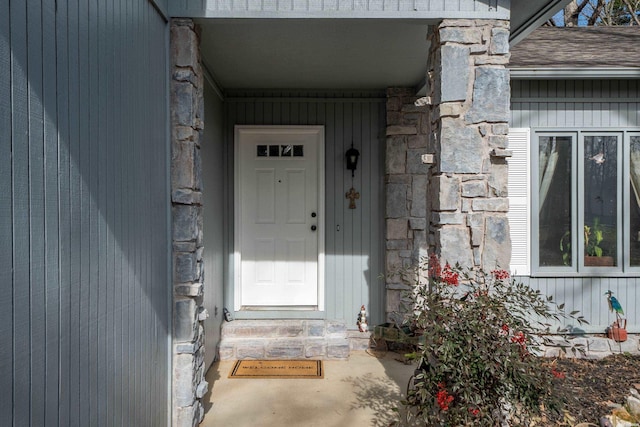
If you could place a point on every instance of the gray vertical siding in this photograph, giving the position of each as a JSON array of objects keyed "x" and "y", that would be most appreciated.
[
  {"x": 83, "y": 213},
  {"x": 575, "y": 103},
  {"x": 586, "y": 294},
  {"x": 354, "y": 254},
  {"x": 214, "y": 180},
  {"x": 6, "y": 218},
  {"x": 582, "y": 104}
]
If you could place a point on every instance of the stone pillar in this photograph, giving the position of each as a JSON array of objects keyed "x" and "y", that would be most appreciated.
[
  {"x": 469, "y": 85},
  {"x": 406, "y": 188},
  {"x": 446, "y": 170},
  {"x": 186, "y": 182}
]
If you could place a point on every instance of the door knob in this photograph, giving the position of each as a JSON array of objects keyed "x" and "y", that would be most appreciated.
[
  {"x": 313, "y": 228},
  {"x": 313, "y": 215}
]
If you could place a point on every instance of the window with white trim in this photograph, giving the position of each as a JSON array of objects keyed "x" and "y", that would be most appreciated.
[{"x": 584, "y": 202}]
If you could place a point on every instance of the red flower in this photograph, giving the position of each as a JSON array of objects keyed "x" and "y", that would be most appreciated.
[
  {"x": 504, "y": 331},
  {"x": 443, "y": 398},
  {"x": 449, "y": 276},
  {"x": 519, "y": 338},
  {"x": 474, "y": 411},
  {"x": 500, "y": 274},
  {"x": 558, "y": 374}
]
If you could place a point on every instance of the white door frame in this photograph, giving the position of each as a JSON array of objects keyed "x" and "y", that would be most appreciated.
[{"x": 318, "y": 131}]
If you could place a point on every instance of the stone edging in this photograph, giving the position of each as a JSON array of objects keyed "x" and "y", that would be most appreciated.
[{"x": 596, "y": 346}]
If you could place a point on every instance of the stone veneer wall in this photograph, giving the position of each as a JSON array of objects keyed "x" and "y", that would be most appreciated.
[
  {"x": 406, "y": 185},
  {"x": 455, "y": 204},
  {"x": 187, "y": 111}
]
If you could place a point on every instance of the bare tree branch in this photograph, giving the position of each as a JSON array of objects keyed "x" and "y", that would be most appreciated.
[
  {"x": 571, "y": 14},
  {"x": 597, "y": 12},
  {"x": 600, "y": 12},
  {"x": 632, "y": 12},
  {"x": 581, "y": 6}
]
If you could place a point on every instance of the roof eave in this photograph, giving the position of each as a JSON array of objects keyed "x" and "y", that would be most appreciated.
[
  {"x": 520, "y": 29},
  {"x": 527, "y": 73}
]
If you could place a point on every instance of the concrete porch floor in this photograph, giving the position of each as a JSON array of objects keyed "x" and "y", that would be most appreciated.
[{"x": 361, "y": 391}]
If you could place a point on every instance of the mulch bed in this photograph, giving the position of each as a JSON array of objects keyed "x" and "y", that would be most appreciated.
[{"x": 591, "y": 386}]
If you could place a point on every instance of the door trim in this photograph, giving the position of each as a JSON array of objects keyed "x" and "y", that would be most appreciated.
[{"x": 318, "y": 131}]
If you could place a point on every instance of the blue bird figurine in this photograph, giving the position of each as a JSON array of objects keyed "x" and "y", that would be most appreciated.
[
  {"x": 614, "y": 304},
  {"x": 618, "y": 329}
]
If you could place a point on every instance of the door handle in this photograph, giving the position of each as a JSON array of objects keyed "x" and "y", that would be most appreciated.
[
  {"x": 313, "y": 228},
  {"x": 313, "y": 215}
]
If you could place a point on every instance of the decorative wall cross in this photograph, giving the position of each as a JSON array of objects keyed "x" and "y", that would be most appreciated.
[{"x": 352, "y": 195}]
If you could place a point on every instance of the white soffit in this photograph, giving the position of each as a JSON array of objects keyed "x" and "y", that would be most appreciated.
[{"x": 314, "y": 54}]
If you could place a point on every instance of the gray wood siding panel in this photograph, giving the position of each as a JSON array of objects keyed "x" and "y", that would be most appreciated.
[
  {"x": 6, "y": 217},
  {"x": 590, "y": 114},
  {"x": 109, "y": 307},
  {"x": 73, "y": 333},
  {"x": 36, "y": 211},
  {"x": 94, "y": 254},
  {"x": 21, "y": 229},
  {"x": 579, "y": 103},
  {"x": 83, "y": 163},
  {"x": 213, "y": 176},
  {"x": 353, "y": 255},
  {"x": 587, "y": 295},
  {"x": 423, "y": 9},
  {"x": 101, "y": 337},
  {"x": 83, "y": 201},
  {"x": 52, "y": 219}
]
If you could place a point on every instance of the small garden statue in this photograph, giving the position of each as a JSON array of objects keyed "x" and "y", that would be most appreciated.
[
  {"x": 362, "y": 320},
  {"x": 618, "y": 329}
]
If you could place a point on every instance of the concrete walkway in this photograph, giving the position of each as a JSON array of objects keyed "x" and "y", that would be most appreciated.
[{"x": 359, "y": 392}]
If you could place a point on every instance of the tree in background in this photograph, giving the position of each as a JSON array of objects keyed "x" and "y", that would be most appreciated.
[
  {"x": 598, "y": 12},
  {"x": 622, "y": 12}
]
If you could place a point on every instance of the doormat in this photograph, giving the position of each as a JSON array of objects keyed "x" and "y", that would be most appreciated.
[{"x": 311, "y": 369}]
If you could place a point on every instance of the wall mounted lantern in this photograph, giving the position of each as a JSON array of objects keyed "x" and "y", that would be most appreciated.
[{"x": 352, "y": 159}]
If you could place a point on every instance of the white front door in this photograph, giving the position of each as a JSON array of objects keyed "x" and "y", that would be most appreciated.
[{"x": 278, "y": 210}]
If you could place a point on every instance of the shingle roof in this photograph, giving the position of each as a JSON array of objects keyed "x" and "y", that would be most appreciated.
[{"x": 578, "y": 47}]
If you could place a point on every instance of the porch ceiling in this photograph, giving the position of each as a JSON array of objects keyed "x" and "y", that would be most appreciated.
[{"x": 314, "y": 53}]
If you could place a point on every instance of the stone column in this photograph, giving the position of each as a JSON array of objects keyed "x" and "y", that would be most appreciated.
[
  {"x": 406, "y": 188},
  {"x": 446, "y": 170},
  {"x": 469, "y": 85},
  {"x": 186, "y": 182}
]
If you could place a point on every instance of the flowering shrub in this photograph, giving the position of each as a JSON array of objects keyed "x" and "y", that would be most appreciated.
[{"x": 478, "y": 363}]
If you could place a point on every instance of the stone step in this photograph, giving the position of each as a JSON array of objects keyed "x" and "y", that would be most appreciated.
[
  {"x": 359, "y": 341},
  {"x": 289, "y": 339}
]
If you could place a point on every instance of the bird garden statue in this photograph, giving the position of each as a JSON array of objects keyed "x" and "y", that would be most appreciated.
[
  {"x": 614, "y": 305},
  {"x": 617, "y": 331}
]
